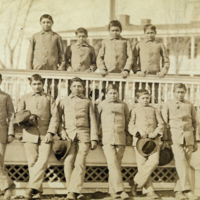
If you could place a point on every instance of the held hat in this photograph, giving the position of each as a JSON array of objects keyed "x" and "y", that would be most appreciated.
[
  {"x": 146, "y": 146},
  {"x": 165, "y": 157},
  {"x": 61, "y": 148},
  {"x": 21, "y": 116}
]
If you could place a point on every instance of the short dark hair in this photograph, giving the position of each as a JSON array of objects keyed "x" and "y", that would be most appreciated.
[
  {"x": 81, "y": 30},
  {"x": 76, "y": 79},
  {"x": 115, "y": 23},
  {"x": 141, "y": 92},
  {"x": 179, "y": 85},
  {"x": 46, "y": 16},
  {"x": 112, "y": 86},
  {"x": 149, "y": 26},
  {"x": 36, "y": 77}
]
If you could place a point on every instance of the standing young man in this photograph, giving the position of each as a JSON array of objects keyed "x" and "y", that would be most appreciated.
[
  {"x": 6, "y": 110},
  {"x": 77, "y": 122},
  {"x": 38, "y": 139}
]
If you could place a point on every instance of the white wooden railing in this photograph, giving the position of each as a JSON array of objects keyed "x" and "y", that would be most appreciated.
[{"x": 16, "y": 83}]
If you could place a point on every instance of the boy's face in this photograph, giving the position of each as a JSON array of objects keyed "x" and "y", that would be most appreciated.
[
  {"x": 37, "y": 86},
  {"x": 81, "y": 38},
  {"x": 112, "y": 94},
  {"x": 46, "y": 24},
  {"x": 77, "y": 88},
  {"x": 150, "y": 34},
  {"x": 179, "y": 94},
  {"x": 144, "y": 100},
  {"x": 114, "y": 31}
]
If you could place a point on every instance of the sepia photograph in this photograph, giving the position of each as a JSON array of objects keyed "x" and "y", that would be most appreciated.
[{"x": 100, "y": 99}]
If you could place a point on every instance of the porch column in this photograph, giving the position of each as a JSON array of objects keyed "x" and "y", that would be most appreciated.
[{"x": 192, "y": 55}]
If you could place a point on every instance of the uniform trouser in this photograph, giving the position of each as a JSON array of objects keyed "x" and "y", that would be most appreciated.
[
  {"x": 182, "y": 156},
  {"x": 5, "y": 180},
  {"x": 145, "y": 168},
  {"x": 114, "y": 155},
  {"x": 37, "y": 156},
  {"x": 75, "y": 166}
]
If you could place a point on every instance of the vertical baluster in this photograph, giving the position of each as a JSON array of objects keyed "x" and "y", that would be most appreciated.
[
  {"x": 153, "y": 94},
  {"x": 25, "y": 86},
  {"x": 66, "y": 88},
  {"x": 87, "y": 88},
  {"x": 17, "y": 92},
  {"x": 59, "y": 91},
  {"x": 192, "y": 93},
  {"x": 146, "y": 86},
  {"x": 186, "y": 95},
  {"x": 120, "y": 90},
  {"x": 166, "y": 88},
  {"x": 172, "y": 91},
  {"x": 133, "y": 94},
  {"x": 198, "y": 110},
  {"x": 100, "y": 91},
  {"x": 53, "y": 88},
  {"x": 106, "y": 88},
  {"x": 159, "y": 94},
  {"x": 140, "y": 85},
  {"x": 45, "y": 85},
  {"x": 113, "y": 82},
  {"x": 93, "y": 92},
  {"x": 7, "y": 85},
  {"x": 126, "y": 92}
]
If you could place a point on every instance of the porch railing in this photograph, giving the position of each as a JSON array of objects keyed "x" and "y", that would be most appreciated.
[{"x": 16, "y": 83}]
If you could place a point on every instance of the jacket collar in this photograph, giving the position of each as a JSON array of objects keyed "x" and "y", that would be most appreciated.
[
  {"x": 37, "y": 94},
  {"x": 48, "y": 32},
  {"x": 110, "y": 101},
  {"x": 82, "y": 44},
  {"x": 154, "y": 41},
  {"x": 79, "y": 96},
  {"x": 142, "y": 106},
  {"x": 119, "y": 38},
  {"x": 177, "y": 102}
]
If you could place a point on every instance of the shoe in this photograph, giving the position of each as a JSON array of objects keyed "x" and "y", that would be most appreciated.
[
  {"x": 8, "y": 192},
  {"x": 133, "y": 188},
  {"x": 28, "y": 193},
  {"x": 124, "y": 196},
  {"x": 190, "y": 195},
  {"x": 115, "y": 196},
  {"x": 180, "y": 196},
  {"x": 71, "y": 196},
  {"x": 80, "y": 197},
  {"x": 152, "y": 195},
  {"x": 37, "y": 196}
]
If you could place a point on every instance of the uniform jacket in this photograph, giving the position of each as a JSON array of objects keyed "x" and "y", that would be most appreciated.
[
  {"x": 148, "y": 55},
  {"x": 44, "y": 106},
  {"x": 77, "y": 118},
  {"x": 181, "y": 117},
  {"x": 114, "y": 118},
  {"x": 6, "y": 111},
  {"x": 80, "y": 57},
  {"x": 147, "y": 119},
  {"x": 115, "y": 55},
  {"x": 45, "y": 51}
]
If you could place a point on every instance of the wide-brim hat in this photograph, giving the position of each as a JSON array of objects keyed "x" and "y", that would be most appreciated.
[
  {"x": 166, "y": 156},
  {"x": 61, "y": 148},
  {"x": 21, "y": 116},
  {"x": 146, "y": 146}
]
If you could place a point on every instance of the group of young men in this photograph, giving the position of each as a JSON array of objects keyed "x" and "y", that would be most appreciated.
[{"x": 74, "y": 118}]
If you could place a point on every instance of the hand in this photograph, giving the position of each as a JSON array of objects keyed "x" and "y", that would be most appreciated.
[
  {"x": 64, "y": 136},
  {"x": 32, "y": 119},
  {"x": 70, "y": 69},
  {"x": 90, "y": 70},
  {"x": 10, "y": 138},
  {"x": 195, "y": 147},
  {"x": 152, "y": 135},
  {"x": 103, "y": 72},
  {"x": 93, "y": 145},
  {"x": 142, "y": 133},
  {"x": 48, "y": 138},
  {"x": 124, "y": 74},
  {"x": 160, "y": 74},
  {"x": 140, "y": 73}
]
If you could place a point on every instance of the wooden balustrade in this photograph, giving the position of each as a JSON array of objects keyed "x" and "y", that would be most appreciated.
[{"x": 16, "y": 83}]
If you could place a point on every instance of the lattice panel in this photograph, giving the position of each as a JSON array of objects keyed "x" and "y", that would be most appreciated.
[{"x": 20, "y": 173}]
